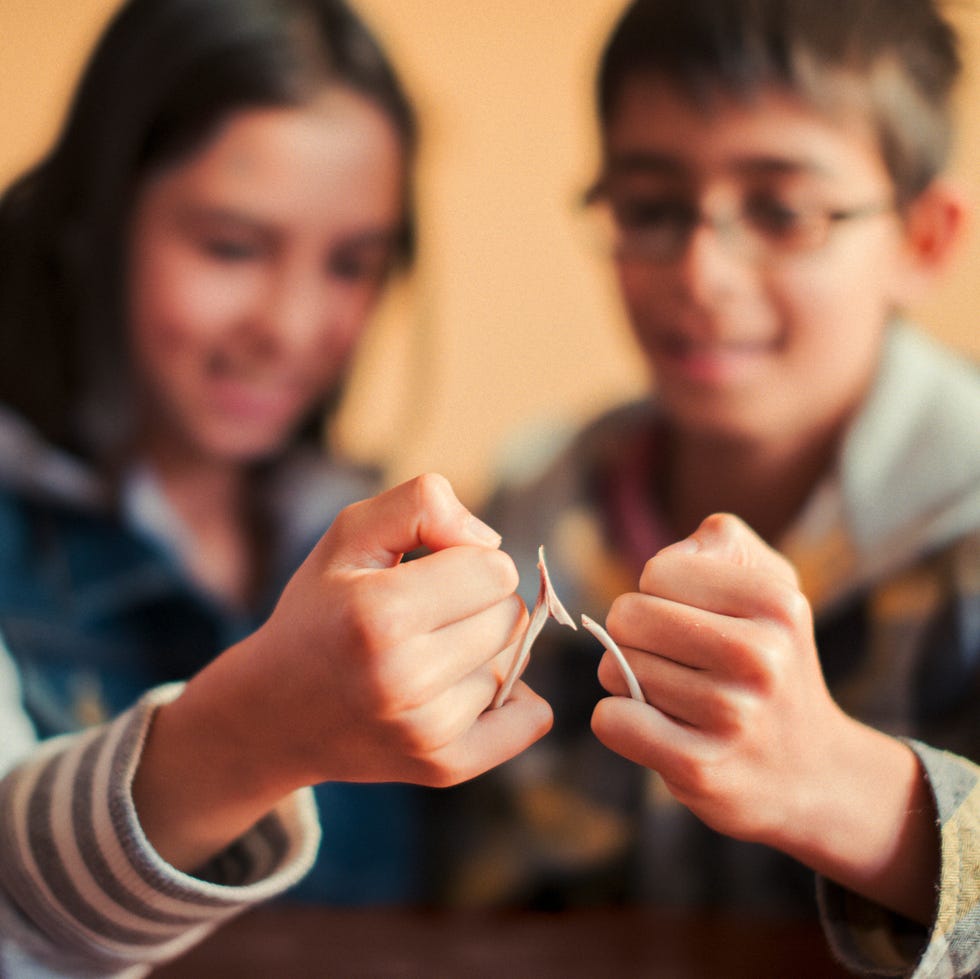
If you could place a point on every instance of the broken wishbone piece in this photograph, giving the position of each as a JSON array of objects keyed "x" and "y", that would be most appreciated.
[
  {"x": 547, "y": 604},
  {"x": 555, "y": 608},
  {"x": 592, "y": 626}
]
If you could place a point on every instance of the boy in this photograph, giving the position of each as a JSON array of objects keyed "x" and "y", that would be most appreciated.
[{"x": 771, "y": 181}]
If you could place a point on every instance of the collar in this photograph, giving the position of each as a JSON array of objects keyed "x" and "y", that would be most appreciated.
[
  {"x": 908, "y": 475},
  {"x": 32, "y": 466}
]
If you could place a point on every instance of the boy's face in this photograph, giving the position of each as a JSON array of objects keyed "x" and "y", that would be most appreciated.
[{"x": 766, "y": 331}]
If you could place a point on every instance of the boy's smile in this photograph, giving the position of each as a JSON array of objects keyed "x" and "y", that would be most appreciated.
[
  {"x": 715, "y": 361},
  {"x": 760, "y": 257}
]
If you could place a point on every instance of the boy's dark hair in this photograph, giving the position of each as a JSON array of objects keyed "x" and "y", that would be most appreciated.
[
  {"x": 162, "y": 78},
  {"x": 896, "y": 60}
]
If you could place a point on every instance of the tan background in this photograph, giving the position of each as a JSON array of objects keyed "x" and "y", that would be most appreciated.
[{"x": 509, "y": 319}]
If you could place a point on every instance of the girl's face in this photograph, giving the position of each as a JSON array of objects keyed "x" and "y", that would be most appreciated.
[
  {"x": 757, "y": 335},
  {"x": 254, "y": 266}
]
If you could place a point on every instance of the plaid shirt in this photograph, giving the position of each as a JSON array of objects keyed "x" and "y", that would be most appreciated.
[{"x": 888, "y": 551}]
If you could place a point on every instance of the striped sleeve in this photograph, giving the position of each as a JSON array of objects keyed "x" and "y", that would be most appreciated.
[
  {"x": 82, "y": 893},
  {"x": 869, "y": 939}
]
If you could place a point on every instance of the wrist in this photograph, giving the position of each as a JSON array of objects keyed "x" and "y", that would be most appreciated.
[
  {"x": 204, "y": 778},
  {"x": 867, "y": 822}
]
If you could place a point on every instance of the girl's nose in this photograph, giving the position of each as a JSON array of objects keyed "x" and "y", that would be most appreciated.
[{"x": 292, "y": 312}]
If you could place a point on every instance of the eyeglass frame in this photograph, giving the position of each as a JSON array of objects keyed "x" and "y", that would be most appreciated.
[{"x": 730, "y": 226}]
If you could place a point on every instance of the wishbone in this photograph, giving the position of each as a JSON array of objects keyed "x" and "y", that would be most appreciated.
[
  {"x": 547, "y": 604},
  {"x": 592, "y": 626}
]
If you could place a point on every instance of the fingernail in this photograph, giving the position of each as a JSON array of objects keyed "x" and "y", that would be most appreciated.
[{"x": 482, "y": 532}]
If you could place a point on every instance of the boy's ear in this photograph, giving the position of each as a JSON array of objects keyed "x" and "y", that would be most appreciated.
[{"x": 934, "y": 224}]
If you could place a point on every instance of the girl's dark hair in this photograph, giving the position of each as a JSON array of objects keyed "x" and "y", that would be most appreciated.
[
  {"x": 163, "y": 76},
  {"x": 896, "y": 60}
]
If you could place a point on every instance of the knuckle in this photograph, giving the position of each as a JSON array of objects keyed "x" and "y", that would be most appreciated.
[
  {"x": 723, "y": 709},
  {"x": 726, "y": 535},
  {"x": 699, "y": 776},
  {"x": 499, "y": 570},
  {"x": 787, "y": 570},
  {"x": 509, "y": 576},
  {"x": 789, "y": 606},
  {"x": 650, "y": 575},
  {"x": 377, "y": 619},
  {"x": 431, "y": 489},
  {"x": 741, "y": 713},
  {"x": 420, "y": 742},
  {"x": 343, "y": 521},
  {"x": 428, "y": 747},
  {"x": 380, "y": 697},
  {"x": 621, "y": 613},
  {"x": 518, "y": 612},
  {"x": 767, "y": 662},
  {"x": 722, "y": 525},
  {"x": 438, "y": 774},
  {"x": 755, "y": 658},
  {"x": 398, "y": 695},
  {"x": 407, "y": 737}
]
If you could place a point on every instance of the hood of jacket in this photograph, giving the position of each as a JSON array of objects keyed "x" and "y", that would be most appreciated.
[
  {"x": 907, "y": 480},
  {"x": 304, "y": 489}
]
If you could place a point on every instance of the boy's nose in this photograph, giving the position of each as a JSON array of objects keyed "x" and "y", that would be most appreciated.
[{"x": 714, "y": 260}]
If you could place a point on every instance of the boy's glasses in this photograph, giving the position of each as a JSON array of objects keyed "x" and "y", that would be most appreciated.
[{"x": 659, "y": 230}]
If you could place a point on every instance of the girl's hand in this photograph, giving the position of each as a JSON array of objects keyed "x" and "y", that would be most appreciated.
[
  {"x": 369, "y": 669},
  {"x": 742, "y": 729},
  {"x": 384, "y": 670}
]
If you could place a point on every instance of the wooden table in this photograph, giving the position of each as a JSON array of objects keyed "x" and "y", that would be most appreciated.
[{"x": 278, "y": 942}]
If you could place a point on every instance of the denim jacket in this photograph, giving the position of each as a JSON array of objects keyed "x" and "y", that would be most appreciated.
[{"x": 96, "y": 608}]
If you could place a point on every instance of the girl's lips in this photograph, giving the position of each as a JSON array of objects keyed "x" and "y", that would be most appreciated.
[
  {"x": 249, "y": 391},
  {"x": 249, "y": 400}
]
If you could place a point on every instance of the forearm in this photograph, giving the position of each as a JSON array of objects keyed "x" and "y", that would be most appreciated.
[
  {"x": 81, "y": 891},
  {"x": 870, "y": 824},
  {"x": 867, "y": 938},
  {"x": 203, "y": 778}
]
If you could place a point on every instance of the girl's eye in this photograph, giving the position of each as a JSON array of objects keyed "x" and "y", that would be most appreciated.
[
  {"x": 359, "y": 265},
  {"x": 229, "y": 250}
]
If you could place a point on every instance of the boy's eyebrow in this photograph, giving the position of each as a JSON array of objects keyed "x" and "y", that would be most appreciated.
[
  {"x": 778, "y": 165},
  {"x": 647, "y": 162},
  {"x": 644, "y": 162}
]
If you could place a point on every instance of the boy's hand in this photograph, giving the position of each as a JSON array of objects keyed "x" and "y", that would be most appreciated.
[
  {"x": 721, "y": 640},
  {"x": 368, "y": 670},
  {"x": 741, "y": 727}
]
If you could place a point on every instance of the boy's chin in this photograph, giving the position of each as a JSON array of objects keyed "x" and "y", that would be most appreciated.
[{"x": 749, "y": 426}]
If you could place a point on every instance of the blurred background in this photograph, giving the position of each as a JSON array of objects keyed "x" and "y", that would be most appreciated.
[{"x": 509, "y": 318}]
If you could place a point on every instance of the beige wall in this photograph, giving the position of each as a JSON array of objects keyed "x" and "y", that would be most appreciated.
[{"x": 509, "y": 318}]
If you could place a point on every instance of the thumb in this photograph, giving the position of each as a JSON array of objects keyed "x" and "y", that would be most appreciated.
[
  {"x": 423, "y": 512},
  {"x": 726, "y": 537}
]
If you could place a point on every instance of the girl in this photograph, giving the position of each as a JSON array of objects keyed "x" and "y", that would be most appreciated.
[
  {"x": 185, "y": 278},
  {"x": 183, "y": 282}
]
